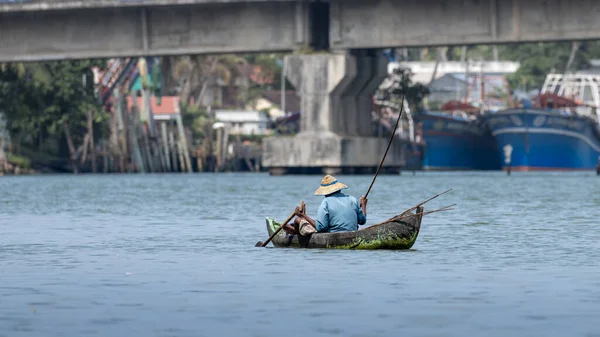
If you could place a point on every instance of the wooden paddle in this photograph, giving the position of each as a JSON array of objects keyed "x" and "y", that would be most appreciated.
[
  {"x": 260, "y": 244},
  {"x": 388, "y": 146}
]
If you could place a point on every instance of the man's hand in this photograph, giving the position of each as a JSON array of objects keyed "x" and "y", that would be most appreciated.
[
  {"x": 363, "y": 202},
  {"x": 300, "y": 211}
]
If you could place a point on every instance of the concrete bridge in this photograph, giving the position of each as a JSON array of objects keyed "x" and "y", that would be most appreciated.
[
  {"x": 61, "y": 29},
  {"x": 335, "y": 84}
]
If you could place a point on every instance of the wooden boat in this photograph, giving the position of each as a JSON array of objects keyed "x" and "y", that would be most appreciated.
[{"x": 398, "y": 232}]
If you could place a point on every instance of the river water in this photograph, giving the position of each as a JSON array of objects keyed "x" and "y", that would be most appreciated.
[{"x": 174, "y": 255}]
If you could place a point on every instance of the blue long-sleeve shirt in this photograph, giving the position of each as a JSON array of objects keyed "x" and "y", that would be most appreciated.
[{"x": 339, "y": 212}]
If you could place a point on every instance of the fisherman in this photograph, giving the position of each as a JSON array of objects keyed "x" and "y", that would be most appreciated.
[{"x": 338, "y": 212}]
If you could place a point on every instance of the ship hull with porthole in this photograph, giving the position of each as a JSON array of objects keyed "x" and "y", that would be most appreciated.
[
  {"x": 456, "y": 143},
  {"x": 546, "y": 140}
]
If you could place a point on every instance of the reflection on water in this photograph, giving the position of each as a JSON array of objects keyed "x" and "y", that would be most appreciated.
[{"x": 174, "y": 255}]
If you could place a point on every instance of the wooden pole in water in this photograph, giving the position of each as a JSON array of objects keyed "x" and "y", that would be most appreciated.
[
  {"x": 143, "y": 127},
  {"x": 121, "y": 144},
  {"x": 105, "y": 160},
  {"x": 225, "y": 145},
  {"x": 147, "y": 152},
  {"x": 92, "y": 145},
  {"x": 150, "y": 132},
  {"x": 179, "y": 147},
  {"x": 165, "y": 141},
  {"x": 173, "y": 148},
  {"x": 219, "y": 149},
  {"x": 181, "y": 159},
  {"x": 133, "y": 126},
  {"x": 3, "y": 160},
  {"x": 114, "y": 130},
  {"x": 186, "y": 152}
]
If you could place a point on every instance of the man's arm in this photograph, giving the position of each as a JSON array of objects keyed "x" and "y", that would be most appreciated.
[
  {"x": 322, "y": 222},
  {"x": 362, "y": 211},
  {"x": 310, "y": 221}
]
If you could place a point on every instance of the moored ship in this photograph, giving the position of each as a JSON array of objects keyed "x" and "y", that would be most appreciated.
[
  {"x": 558, "y": 130},
  {"x": 456, "y": 139}
]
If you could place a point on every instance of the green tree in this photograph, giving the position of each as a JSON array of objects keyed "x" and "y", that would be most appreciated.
[
  {"x": 46, "y": 106},
  {"x": 399, "y": 84}
]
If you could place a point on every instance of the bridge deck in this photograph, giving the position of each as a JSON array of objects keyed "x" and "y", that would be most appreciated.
[
  {"x": 45, "y": 29},
  {"x": 44, "y": 5}
]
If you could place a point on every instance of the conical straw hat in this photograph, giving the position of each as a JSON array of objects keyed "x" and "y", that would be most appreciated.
[{"x": 329, "y": 185}]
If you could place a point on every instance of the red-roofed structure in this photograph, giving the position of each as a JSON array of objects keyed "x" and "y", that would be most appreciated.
[{"x": 167, "y": 110}]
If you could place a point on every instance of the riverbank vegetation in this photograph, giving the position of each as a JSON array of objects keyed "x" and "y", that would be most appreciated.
[
  {"x": 50, "y": 112},
  {"x": 52, "y": 115},
  {"x": 55, "y": 121}
]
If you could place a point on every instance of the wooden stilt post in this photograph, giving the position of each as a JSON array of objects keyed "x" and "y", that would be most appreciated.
[
  {"x": 165, "y": 142},
  {"x": 199, "y": 164},
  {"x": 3, "y": 160},
  {"x": 72, "y": 151},
  {"x": 91, "y": 142},
  {"x": 182, "y": 139},
  {"x": 148, "y": 130},
  {"x": 133, "y": 128},
  {"x": 142, "y": 126},
  {"x": 157, "y": 154},
  {"x": 174, "y": 150},
  {"x": 219, "y": 149},
  {"x": 180, "y": 151},
  {"x": 147, "y": 150},
  {"x": 120, "y": 145},
  {"x": 225, "y": 144},
  {"x": 105, "y": 160}
]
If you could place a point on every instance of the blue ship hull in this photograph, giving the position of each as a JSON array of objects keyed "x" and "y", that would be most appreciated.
[
  {"x": 454, "y": 143},
  {"x": 546, "y": 140}
]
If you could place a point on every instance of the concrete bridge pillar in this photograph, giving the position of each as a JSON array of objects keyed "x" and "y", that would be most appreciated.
[{"x": 335, "y": 124}]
